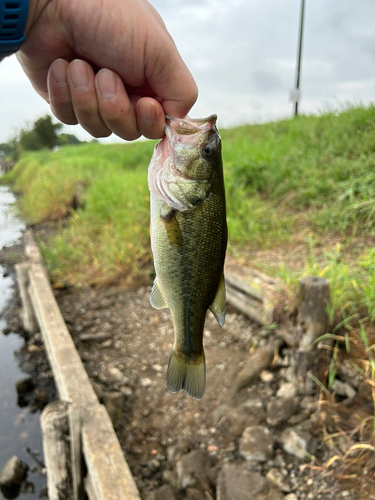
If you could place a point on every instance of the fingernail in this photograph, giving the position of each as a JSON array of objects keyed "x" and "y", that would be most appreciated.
[
  {"x": 107, "y": 84},
  {"x": 147, "y": 113},
  {"x": 80, "y": 76},
  {"x": 59, "y": 73}
]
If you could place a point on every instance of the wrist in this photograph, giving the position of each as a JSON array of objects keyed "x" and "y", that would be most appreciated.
[{"x": 36, "y": 7}]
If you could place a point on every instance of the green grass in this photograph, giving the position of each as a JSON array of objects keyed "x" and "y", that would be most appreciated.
[{"x": 310, "y": 178}]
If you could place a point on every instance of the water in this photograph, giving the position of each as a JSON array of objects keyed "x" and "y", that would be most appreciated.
[{"x": 19, "y": 428}]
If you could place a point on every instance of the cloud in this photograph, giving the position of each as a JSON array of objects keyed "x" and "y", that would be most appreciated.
[{"x": 242, "y": 54}]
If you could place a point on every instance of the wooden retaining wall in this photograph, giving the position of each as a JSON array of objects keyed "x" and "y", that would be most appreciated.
[{"x": 92, "y": 436}]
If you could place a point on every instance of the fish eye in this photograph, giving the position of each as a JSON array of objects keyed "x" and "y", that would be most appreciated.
[{"x": 207, "y": 150}]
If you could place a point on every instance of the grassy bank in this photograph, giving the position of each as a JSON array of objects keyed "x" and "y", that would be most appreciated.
[{"x": 306, "y": 182}]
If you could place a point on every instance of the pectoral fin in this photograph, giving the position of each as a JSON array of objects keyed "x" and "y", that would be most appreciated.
[
  {"x": 218, "y": 305},
  {"x": 172, "y": 227},
  {"x": 157, "y": 299}
]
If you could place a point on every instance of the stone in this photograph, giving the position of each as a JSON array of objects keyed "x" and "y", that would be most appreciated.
[
  {"x": 194, "y": 494},
  {"x": 14, "y": 472},
  {"x": 25, "y": 385},
  {"x": 176, "y": 451},
  {"x": 291, "y": 496},
  {"x": 165, "y": 492},
  {"x": 114, "y": 402},
  {"x": 298, "y": 443},
  {"x": 287, "y": 390},
  {"x": 192, "y": 470},
  {"x": 237, "y": 483},
  {"x": 266, "y": 376},
  {"x": 343, "y": 389},
  {"x": 279, "y": 410},
  {"x": 256, "y": 444},
  {"x": 145, "y": 382},
  {"x": 276, "y": 476},
  {"x": 253, "y": 406}
]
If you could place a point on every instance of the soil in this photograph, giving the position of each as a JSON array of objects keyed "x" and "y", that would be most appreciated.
[{"x": 125, "y": 345}]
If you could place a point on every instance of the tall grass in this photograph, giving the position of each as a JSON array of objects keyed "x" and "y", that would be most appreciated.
[{"x": 287, "y": 180}]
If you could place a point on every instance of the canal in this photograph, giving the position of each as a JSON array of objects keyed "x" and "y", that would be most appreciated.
[{"x": 19, "y": 427}]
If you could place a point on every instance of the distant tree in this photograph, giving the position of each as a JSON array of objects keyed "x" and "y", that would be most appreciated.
[
  {"x": 6, "y": 149},
  {"x": 46, "y": 132},
  {"x": 68, "y": 139}
]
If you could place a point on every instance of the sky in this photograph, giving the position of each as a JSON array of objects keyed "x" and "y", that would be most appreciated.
[{"x": 242, "y": 54}]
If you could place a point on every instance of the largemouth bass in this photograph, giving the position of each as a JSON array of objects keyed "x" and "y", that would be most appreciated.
[{"x": 188, "y": 240}]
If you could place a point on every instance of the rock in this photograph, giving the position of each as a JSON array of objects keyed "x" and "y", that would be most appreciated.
[
  {"x": 114, "y": 403},
  {"x": 98, "y": 390},
  {"x": 145, "y": 382},
  {"x": 343, "y": 389},
  {"x": 279, "y": 410},
  {"x": 253, "y": 406},
  {"x": 237, "y": 483},
  {"x": 176, "y": 451},
  {"x": 287, "y": 390},
  {"x": 291, "y": 496},
  {"x": 165, "y": 492},
  {"x": 298, "y": 443},
  {"x": 192, "y": 470},
  {"x": 94, "y": 337},
  {"x": 25, "y": 385},
  {"x": 14, "y": 472},
  {"x": 194, "y": 494},
  {"x": 256, "y": 444},
  {"x": 213, "y": 473},
  {"x": 276, "y": 476},
  {"x": 266, "y": 376}
]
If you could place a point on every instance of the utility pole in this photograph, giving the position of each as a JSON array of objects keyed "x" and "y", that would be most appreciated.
[{"x": 298, "y": 69}]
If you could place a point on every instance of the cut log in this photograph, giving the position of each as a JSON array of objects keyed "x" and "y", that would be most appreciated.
[
  {"x": 55, "y": 430},
  {"x": 312, "y": 322},
  {"x": 312, "y": 312}
]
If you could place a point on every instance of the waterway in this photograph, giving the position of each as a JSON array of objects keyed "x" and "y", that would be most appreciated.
[{"x": 19, "y": 427}]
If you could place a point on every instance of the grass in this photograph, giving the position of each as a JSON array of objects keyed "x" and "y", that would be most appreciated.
[{"x": 309, "y": 180}]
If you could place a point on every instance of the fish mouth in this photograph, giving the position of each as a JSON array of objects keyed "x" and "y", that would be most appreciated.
[{"x": 188, "y": 126}]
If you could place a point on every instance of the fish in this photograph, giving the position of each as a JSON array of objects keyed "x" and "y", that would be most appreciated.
[{"x": 188, "y": 241}]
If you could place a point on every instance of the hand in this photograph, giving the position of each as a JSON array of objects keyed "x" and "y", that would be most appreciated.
[{"x": 109, "y": 65}]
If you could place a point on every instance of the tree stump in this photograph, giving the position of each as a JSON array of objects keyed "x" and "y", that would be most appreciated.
[{"x": 312, "y": 322}]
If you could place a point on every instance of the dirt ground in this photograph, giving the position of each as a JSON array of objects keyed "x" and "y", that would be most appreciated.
[{"x": 125, "y": 344}]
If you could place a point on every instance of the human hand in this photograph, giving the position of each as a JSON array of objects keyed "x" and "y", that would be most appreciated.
[{"x": 109, "y": 65}]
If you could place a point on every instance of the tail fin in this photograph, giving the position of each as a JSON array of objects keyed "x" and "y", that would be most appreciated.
[{"x": 185, "y": 375}]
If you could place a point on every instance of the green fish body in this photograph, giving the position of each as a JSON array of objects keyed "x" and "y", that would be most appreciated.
[{"x": 188, "y": 238}]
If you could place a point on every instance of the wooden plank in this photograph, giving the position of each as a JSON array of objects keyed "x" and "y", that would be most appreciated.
[
  {"x": 71, "y": 378},
  {"x": 54, "y": 424},
  {"x": 31, "y": 248},
  {"x": 75, "y": 428},
  {"x": 29, "y": 322},
  {"x": 110, "y": 475},
  {"x": 260, "y": 312}
]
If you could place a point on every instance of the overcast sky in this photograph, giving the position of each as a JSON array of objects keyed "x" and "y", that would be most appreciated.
[{"x": 242, "y": 54}]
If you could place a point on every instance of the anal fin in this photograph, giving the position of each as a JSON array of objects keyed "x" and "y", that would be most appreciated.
[
  {"x": 218, "y": 305},
  {"x": 157, "y": 299}
]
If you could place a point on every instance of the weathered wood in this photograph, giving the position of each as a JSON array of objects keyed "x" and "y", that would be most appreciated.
[
  {"x": 75, "y": 428},
  {"x": 259, "y": 311},
  {"x": 312, "y": 315},
  {"x": 312, "y": 322},
  {"x": 110, "y": 475},
  {"x": 252, "y": 294},
  {"x": 31, "y": 248},
  {"x": 71, "y": 378},
  {"x": 29, "y": 322},
  {"x": 54, "y": 424}
]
